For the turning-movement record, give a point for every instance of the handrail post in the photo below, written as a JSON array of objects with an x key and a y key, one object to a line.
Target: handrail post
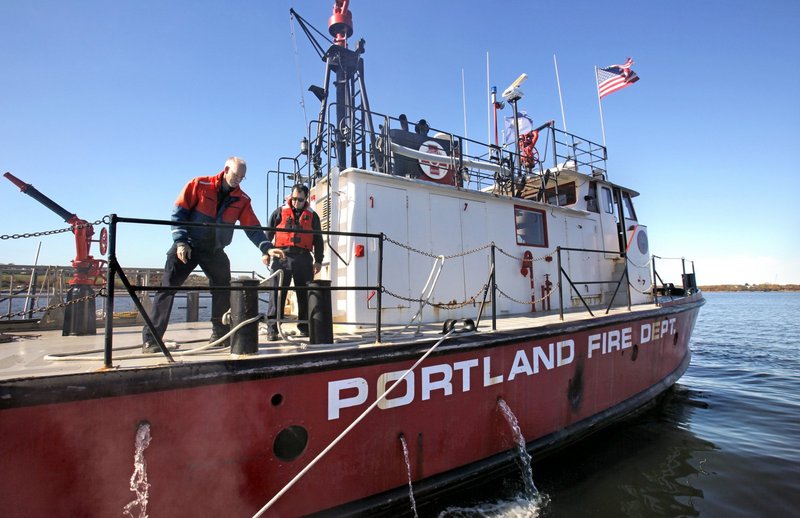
[
  {"x": 560, "y": 285},
  {"x": 380, "y": 289},
  {"x": 628, "y": 283},
  {"x": 494, "y": 291},
  {"x": 112, "y": 269},
  {"x": 654, "y": 279}
]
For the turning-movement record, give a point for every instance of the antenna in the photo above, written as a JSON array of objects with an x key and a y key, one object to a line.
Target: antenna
[
  {"x": 488, "y": 103},
  {"x": 560, "y": 99},
  {"x": 464, "y": 103},
  {"x": 513, "y": 93}
]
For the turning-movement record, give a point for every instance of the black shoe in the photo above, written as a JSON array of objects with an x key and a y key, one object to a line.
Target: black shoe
[
  {"x": 149, "y": 347},
  {"x": 303, "y": 333},
  {"x": 272, "y": 334},
  {"x": 217, "y": 332}
]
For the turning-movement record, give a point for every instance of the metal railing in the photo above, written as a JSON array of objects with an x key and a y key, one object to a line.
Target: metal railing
[
  {"x": 668, "y": 289},
  {"x": 477, "y": 165},
  {"x": 115, "y": 270},
  {"x": 563, "y": 273}
]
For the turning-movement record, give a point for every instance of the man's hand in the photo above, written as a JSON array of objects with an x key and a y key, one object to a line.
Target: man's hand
[
  {"x": 184, "y": 252},
  {"x": 272, "y": 252},
  {"x": 317, "y": 268}
]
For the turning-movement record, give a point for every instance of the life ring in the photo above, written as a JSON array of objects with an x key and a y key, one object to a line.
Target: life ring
[{"x": 436, "y": 171}]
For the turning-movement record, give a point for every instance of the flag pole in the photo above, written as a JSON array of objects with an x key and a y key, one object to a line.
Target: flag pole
[
  {"x": 600, "y": 103},
  {"x": 560, "y": 99}
]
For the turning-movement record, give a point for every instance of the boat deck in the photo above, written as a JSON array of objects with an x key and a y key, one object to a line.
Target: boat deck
[{"x": 48, "y": 353}]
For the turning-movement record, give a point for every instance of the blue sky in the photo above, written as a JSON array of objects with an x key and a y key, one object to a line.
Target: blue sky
[{"x": 111, "y": 106}]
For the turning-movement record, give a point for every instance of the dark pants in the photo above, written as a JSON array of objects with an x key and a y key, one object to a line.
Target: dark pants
[
  {"x": 300, "y": 267},
  {"x": 217, "y": 267}
]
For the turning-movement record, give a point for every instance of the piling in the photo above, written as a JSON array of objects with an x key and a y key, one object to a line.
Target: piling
[{"x": 192, "y": 306}]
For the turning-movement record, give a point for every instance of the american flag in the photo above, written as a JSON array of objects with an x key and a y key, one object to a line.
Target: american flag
[{"x": 615, "y": 77}]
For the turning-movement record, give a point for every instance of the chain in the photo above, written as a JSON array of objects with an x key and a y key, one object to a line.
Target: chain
[
  {"x": 435, "y": 256},
  {"x": 444, "y": 305},
  {"x": 547, "y": 254},
  {"x": 647, "y": 265},
  {"x": 509, "y": 297},
  {"x": 100, "y": 293},
  {"x": 638, "y": 290},
  {"x": 544, "y": 257},
  {"x": 104, "y": 221}
]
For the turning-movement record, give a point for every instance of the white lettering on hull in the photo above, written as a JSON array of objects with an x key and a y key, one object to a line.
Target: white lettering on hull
[{"x": 445, "y": 379}]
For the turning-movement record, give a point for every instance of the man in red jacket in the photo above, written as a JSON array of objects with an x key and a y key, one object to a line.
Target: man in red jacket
[{"x": 207, "y": 199}]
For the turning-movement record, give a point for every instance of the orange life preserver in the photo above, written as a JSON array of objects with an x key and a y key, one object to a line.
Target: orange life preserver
[
  {"x": 304, "y": 222},
  {"x": 527, "y": 144}
]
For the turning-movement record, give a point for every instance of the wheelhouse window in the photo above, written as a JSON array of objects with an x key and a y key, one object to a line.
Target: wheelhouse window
[
  {"x": 608, "y": 201},
  {"x": 561, "y": 195},
  {"x": 531, "y": 225},
  {"x": 591, "y": 198},
  {"x": 627, "y": 206}
]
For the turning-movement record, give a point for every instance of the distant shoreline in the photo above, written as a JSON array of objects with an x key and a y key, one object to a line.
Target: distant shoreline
[{"x": 752, "y": 287}]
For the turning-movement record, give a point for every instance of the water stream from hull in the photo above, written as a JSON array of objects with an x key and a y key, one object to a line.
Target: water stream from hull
[
  {"x": 524, "y": 457},
  {"x": 139, "y": 484},
  {"x": 527, "y": 504},
  {"x": 408, "y": 471}
]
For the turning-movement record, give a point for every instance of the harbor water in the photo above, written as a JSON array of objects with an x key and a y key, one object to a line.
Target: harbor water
[{"x": 722, "y": 443}]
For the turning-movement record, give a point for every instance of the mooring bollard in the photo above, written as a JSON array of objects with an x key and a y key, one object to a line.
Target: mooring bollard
[
  {"x": 244, "y": 306},
  {"x": 320, "y": 319}
]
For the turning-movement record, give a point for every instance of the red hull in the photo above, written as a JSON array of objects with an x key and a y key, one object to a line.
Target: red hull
[{"x": 67, "y": 445}]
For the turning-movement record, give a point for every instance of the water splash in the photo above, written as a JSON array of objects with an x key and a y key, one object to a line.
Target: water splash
[
  {"x": 518, "y": 507},
  {"x": 408, "y": 470},
  {"x": 524, "y": 457},
  {"x": 139, "y": 484}
]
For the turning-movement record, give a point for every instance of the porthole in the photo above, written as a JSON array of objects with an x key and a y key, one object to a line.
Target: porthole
[{"x": 290, "y": 443}]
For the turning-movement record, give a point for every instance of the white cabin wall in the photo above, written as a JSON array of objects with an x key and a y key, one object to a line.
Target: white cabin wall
[
  {"x": 344, "y": 212},
  {"x": 475, "y": 232},
  {"x": 441, "y": 220},
  {"x": 386, "y": 210}
]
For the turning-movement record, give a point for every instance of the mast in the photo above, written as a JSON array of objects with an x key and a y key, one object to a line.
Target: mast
[{"x": 352, "y": 105}]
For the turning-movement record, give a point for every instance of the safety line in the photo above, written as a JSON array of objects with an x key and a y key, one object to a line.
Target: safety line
[{"x": 348, "y": 429}]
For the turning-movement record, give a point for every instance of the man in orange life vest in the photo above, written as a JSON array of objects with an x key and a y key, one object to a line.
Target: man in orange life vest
[
  {"x": 297, "y": 247},
  {"x": 207, "y": 199}
]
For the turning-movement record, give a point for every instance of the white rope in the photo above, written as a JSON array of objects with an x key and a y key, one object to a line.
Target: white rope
[
  {"x": 297, "y": 66},
  {"x": 348, "y": 429},
  {"x": 80, "y": 357},
  {"x": 429, "y": 287},
  {"x": 225, "y": 318}
]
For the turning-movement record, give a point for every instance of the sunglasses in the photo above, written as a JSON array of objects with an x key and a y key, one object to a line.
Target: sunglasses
[{"x": 301, "y": 200}]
